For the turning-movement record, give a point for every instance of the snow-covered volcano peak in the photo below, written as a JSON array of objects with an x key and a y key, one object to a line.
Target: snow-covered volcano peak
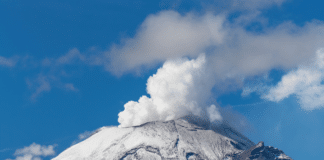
[{"x": 181, "y": 139}]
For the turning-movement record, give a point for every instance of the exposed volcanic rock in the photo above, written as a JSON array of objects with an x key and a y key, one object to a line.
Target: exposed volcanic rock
[{"x": 261, "y": 152}]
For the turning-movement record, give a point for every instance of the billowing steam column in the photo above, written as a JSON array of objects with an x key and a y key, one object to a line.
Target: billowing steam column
[{"x": 180, "y": 87}]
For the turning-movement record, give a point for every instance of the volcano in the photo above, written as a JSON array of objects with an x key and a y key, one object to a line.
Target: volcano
[{"x": 187, "y": 138}]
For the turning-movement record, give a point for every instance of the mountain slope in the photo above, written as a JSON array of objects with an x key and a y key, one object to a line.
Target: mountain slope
[{"x": 175, "y": 139}]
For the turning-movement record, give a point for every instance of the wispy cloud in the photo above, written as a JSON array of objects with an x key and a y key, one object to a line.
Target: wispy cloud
[
  {"x": 305, "y": 83},
  {"x": 72, "y": 56},
  {"x": 52, "y": 73},
  {"x": 5, "y": 150},
  {"x": 70, "y": 87},
  {"x": 233, "y": 51},
  {"x": 83, "y": 136},
  {"x": 240, "y": 5},
  {"x": 39, "y": 85},
  {"x": 258, "y": 85},
  {"x": 164, "y": 36},
  {"x": 8, "y": 62},
  {"x": 34, "y": 152}
]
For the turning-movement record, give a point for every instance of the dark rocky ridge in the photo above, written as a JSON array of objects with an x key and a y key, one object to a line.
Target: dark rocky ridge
[{"x": 261, "y": 152}]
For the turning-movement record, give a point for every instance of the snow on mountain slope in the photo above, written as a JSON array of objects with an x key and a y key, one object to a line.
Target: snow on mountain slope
[
  {"x": 261, "y": 152},
  {"x": 94, "y": 144},
  {"x": 174, "y": 139}
]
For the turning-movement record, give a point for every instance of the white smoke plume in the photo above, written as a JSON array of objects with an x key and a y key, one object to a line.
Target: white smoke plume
[{"x": 179, "y": 88}]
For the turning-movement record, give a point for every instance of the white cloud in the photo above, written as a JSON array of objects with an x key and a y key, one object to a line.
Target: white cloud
[
  {"x": 258, "y": 85},
  {"x": 254, "y": 4},
  {"x": 4, "y": 150},
  {"x": 39, "y": 85},
  {"x": 53, "y": 71},
  {"x": 305, "y": 83},
  {"x": 70, "y": 87},
  {"x": 45, "y": 82},
  {"x": 70, "y": 57},
  {"x": 247, "y": 54},
  {"x": 83, "y": 136},
  {"x": 179, "y": 88},
  {"x": 232, "y": 51},
  {"x": 34, "y": 152},
  {"x": 165, "y": 36},
  {"x": 240, "y": 5},
  {"x": 8, "y": 62}
]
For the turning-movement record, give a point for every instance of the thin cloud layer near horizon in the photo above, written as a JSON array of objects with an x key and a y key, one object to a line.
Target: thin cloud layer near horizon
[{"x": 69, "y": 68}]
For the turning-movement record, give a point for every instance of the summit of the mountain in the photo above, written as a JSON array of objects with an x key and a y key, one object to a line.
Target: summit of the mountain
[{"x": 181, "y": 139}]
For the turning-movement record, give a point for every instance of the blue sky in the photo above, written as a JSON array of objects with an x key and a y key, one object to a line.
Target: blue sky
[{"x": 69, "y": 67}]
